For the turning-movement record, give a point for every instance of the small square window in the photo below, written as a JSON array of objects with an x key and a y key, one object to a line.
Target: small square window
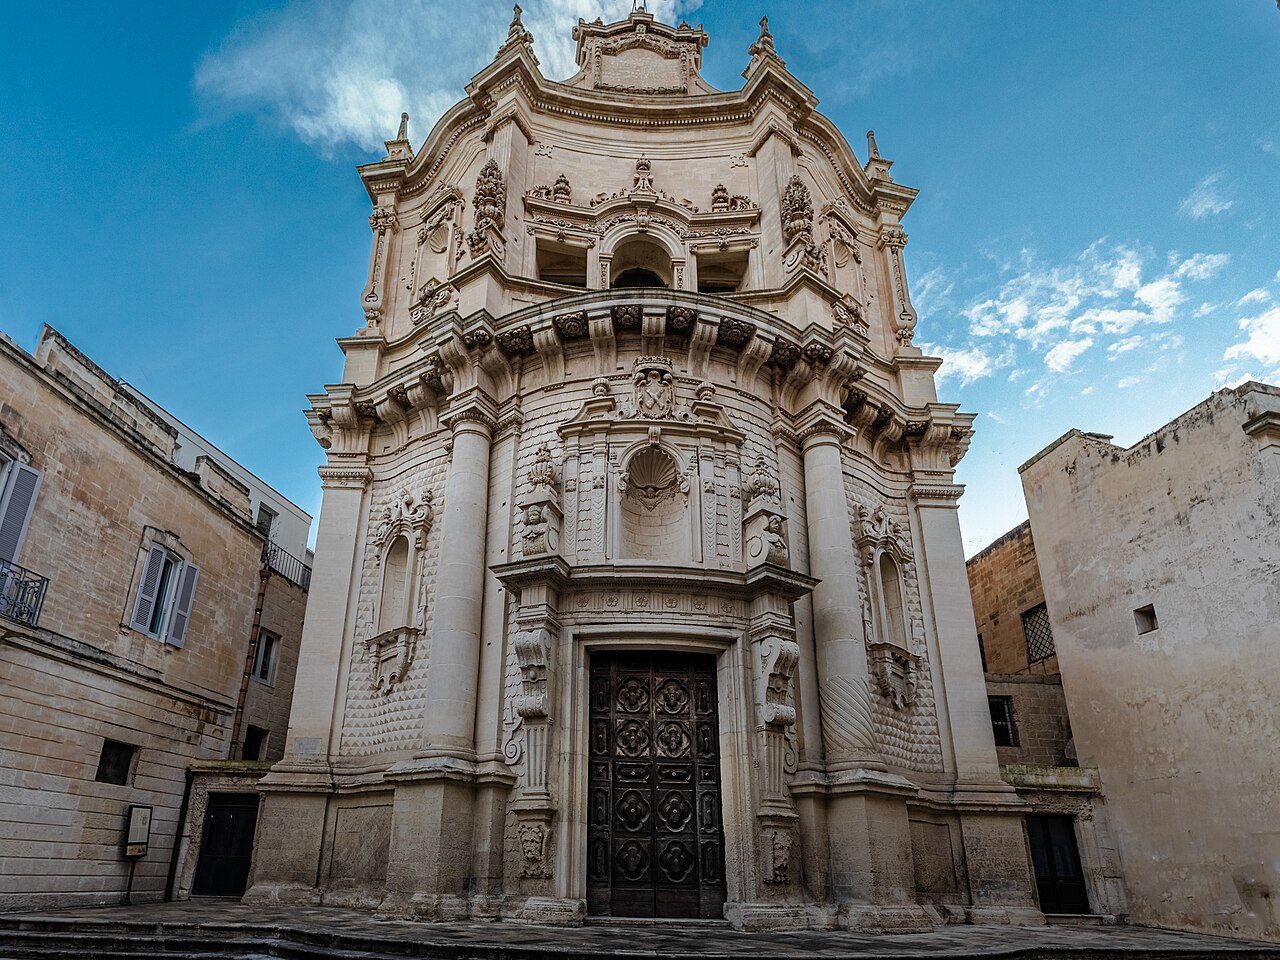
[
  {"x": 264, "y": 661},
  {"x": 1039, "y": 634},
  {"x": 255, "y": 741},
  {"x": 1002, "y": 726},
  {"x": 115, "y": 762},
  {"x": 1145, "y": 618}
]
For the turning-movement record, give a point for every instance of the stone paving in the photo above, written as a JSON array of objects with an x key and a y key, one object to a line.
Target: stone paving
[{"x": 351, "y": 933}]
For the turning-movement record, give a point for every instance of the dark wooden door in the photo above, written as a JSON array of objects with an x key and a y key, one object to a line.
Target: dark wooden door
[
  {"x": 655, "y": 844},
  {"x": 1059, "y": 879},
  {"x": 226, "y": 846}
]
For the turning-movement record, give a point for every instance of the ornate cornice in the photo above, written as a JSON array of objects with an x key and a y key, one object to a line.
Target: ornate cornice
[{"x": 344, "y": 477}]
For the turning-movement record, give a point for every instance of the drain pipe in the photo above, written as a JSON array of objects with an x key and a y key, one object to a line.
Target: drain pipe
[{"x": 263, "y": 576}]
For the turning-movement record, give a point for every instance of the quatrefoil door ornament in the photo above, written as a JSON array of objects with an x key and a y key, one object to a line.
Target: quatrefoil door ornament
[
  {"x": 675, "y": 811},
  {"x": 632, "y": 860},
  {"x": 672, "y": 697},
  {"x": 633, "y": 810},
  {"x": 633, "y": 738},
  {"x": 673, "y": 739},
  {"x": 633, "y": 696},
  {"x": 676, "y": 860}
]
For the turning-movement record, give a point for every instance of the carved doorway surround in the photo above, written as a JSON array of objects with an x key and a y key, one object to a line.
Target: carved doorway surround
[{"x": 655, "y": 837}]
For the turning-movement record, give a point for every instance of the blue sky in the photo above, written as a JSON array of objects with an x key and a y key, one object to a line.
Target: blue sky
[{"x": 1095, "y": 244}]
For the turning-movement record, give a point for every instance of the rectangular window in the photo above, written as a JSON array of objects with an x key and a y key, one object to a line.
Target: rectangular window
[
  {"x": 255, "y": 742},
  {"x": 19, "y": 485},
  {"x": 115, "y": 763},
  {"x": 1002, "y": 721},
  {"x": 266, "y": 518},
  {"x": 166, "y": 593},
  {"x": 1039, "y": 634},
  {"x": 1145, "y": 618},
  {"x": 264, "y": 660}
]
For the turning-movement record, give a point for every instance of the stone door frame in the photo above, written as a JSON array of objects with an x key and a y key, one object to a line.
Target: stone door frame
[{"x": 734, "y": 702}]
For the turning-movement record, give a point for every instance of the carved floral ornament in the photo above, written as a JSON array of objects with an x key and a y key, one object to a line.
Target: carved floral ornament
[
  {"x": 490, "y": 204},
  {"x": 409, "y": 513}
]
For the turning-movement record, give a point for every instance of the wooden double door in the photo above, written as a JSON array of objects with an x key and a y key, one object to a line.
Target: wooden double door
[
  {"x": 655, "y": 840},
  {"x": 226, "y": 845}
]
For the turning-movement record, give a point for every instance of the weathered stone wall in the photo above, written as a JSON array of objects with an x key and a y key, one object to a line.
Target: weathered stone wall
[
  {"x": 82, "y": 674},
  {"x": 267, "y": 705},
  {"x": 1005, "y": 582},
  {"x": 1039, "y": 717},
  {"x": 1178, "y": 720}
]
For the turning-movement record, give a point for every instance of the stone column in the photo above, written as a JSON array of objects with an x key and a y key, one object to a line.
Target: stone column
[
  {"x": 843, "y": 681},
  {"x": 449, "y": 718},
  {"x": 434, "y": 812}
]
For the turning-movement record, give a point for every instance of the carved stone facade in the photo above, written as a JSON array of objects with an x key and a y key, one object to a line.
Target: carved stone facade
[{"x": 644, "y": 477}]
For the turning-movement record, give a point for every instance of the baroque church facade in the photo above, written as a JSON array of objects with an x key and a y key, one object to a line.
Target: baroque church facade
[{"x": 639, "y": 588}]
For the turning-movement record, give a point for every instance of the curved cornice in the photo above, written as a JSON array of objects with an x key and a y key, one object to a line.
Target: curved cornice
[{"x": 515, "y": 80}]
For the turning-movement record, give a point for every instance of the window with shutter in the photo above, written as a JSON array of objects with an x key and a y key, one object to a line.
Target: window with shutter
[
  {"x": 186, "y": 594},
  {"x": 16, "y": 503},
  {"x": 148, "y": 610}
]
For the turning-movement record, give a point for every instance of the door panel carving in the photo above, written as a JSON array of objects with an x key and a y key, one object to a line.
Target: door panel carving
[{"x": 655, "y": 846}]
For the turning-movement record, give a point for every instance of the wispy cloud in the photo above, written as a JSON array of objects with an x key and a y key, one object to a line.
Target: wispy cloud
[
  {"x": 968, "y": 364},
  {"x": 1258, "y": 295},
  {"x": 1063, "y": 355},
  {"x": 1209, "y": 197},
  {"x": 339, "y": 73},
  {"x": 1262, "y": 339},
  {"x": 1202, "y": 266}
]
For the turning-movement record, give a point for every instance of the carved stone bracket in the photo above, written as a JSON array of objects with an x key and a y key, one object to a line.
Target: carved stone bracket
[
  {"x": 540, "y": 506},
  {"x": 390, "y": 654},
  {"x": 895, "y": 672}
]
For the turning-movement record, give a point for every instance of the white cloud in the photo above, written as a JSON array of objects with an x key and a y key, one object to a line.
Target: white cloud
[
  {"x": 1202, "y": 266},
  {"x": 1208, "y": 197},
  {"x": 340, "y": 73},
  {"x": 1126, "y": 382},
  {"x": 1162, "y": 296},
  {"x": 1124, "y": 346},
  {"x": 968, "y": 365},
  {"x": 1258, "y": 295},
  {"x": 1262, "y": 340},
  {"x": 1063, "y": 355}
]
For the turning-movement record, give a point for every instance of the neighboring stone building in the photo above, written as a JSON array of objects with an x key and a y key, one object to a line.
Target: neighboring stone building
[
  {"x": 639, "y": 585},
  {"x": 1076, "y": 864},
  {"x": 1161, "y": 570},
  {"x": 139, "y": 629}
]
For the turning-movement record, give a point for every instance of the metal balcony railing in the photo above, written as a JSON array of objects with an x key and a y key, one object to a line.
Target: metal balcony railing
[
  {"x": 286, "y": 564},
  {"x": 21, "y": 593}
]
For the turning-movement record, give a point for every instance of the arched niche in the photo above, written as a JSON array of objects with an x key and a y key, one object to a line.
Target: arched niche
[
  {"x": 641, "y": 261},
  {"x": 889, "y": 595},
  {"x": 653, "y": 508},
  {"x": 392, "y": 606}
]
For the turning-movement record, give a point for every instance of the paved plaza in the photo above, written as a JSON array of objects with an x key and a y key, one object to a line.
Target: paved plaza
[{"x": 214, "y": 928}]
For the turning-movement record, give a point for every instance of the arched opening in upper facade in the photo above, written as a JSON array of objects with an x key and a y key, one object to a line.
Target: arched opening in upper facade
[
  {"x": 641, "y": 262},
  {"x": 893, "y": 626},
  {"x": 654, "y": 509},
  {"x": 395, "y": 585}
]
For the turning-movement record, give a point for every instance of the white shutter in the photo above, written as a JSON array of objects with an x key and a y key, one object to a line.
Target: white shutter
[
  {"x": 187, "y": 579},
  {"x": 16, "y": 503},
  {"x": 148, "y": 588}
]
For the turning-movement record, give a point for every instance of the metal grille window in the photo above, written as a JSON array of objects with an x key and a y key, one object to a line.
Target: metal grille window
[
  {"x": 1002, "y": 721},
  {"x": 1039, "y": 633}
]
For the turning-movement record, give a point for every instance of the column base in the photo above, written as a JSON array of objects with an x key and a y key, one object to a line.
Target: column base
[
  {"x": 274, "y": 893},
  {"x": 434, "y": 907},
  {"x": 548, "y": 911},
  {"x": 902, "y": 918},
  {"x": 761, "y": 917}
]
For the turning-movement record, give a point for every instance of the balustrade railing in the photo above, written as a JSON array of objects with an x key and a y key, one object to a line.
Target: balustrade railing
[
  {"x": 21, "y": 593},
  {"x": 286, "y": 564}
]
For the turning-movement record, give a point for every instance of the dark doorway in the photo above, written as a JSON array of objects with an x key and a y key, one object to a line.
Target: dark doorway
[
  {"x": 226, "y": 845},
  {"x": 1059, "y": 879},
  {"x": 655, "y": 844},
  {"x": 637, "y": 277}
]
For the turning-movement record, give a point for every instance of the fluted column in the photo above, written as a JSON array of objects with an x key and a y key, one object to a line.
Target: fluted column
[
  {"x": 843, "y": 681},
  {"x": 449, "y": 717}
]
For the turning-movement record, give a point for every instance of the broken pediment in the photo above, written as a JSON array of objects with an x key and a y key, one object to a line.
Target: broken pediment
[{"x": 640, "y": 56}]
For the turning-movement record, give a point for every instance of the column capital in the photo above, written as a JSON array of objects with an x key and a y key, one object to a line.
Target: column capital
[
  {"x": 472, "y": 411},
  {"x": 342, "y": 477},
  {"x": 822, "y": 422},
  {"x": 933, "y": 494}
]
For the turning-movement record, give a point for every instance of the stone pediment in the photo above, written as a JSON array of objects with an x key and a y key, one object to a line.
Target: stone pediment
[{"x": 640, "y": 56}]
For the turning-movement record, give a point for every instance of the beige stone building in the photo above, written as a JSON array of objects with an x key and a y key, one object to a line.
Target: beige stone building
[
  {"x": 1161, "y": 571},
  {"x": 139, "y": 628},
  {"x": 1073, "y": 850},
  {"x": 639, "y": 588}
]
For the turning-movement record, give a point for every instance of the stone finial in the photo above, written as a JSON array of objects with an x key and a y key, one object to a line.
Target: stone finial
[
  {"x": 403, "y": 132},
  {"x": 517, "y": 26},
  {"x": 763, "y": 47},
  {"x": 873, "y": 152},
  {"x": 517, "y": 35},
  {"x": 400, "y": 148}
]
